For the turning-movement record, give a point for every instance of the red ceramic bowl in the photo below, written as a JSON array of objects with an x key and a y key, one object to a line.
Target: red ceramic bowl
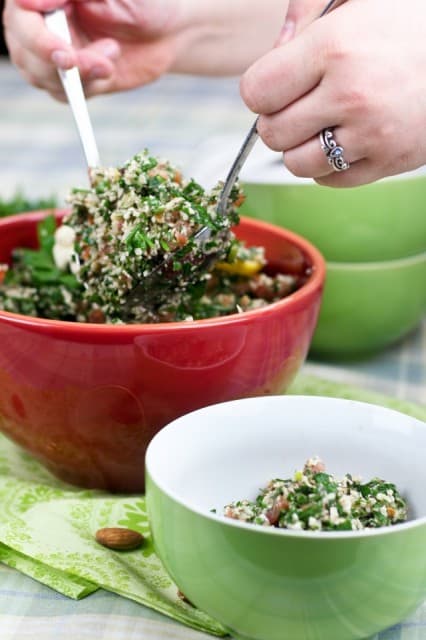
[{"x": 86, "y": 399}]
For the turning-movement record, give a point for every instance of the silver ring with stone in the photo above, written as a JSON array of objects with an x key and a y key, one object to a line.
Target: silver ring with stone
[{"x": 333, "y": 151}]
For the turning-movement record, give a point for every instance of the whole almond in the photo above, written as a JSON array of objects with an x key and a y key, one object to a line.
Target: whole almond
[{"x": 119, "y": 538}]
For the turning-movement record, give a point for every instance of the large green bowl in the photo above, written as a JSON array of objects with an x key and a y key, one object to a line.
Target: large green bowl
[
  {"x": 264, "y": 583},
  {"x": 380, "y": 221},
  {"x": 368, "y": 306}
]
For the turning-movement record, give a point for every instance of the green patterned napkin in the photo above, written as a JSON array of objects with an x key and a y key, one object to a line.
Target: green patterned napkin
[
  {"x": 47, "y": 531},
  {"x": 47, "y": 528}
]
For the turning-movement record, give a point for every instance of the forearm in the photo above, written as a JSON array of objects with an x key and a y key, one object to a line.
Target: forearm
[
  {"x": 122, "y": 44},
  {"x": 224, "y": 37}
]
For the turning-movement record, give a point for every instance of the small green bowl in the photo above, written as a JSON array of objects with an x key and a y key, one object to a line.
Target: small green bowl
[
  {"x": 264, "y": 583},
  {"x": 368, "y": 306},
  {"x": 381, "y": 221}
]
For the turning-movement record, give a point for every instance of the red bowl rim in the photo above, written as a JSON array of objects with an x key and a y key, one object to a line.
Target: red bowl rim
[{"x": 315, "y": 281}]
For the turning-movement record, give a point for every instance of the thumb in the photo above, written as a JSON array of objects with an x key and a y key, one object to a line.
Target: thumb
[{"x": 300, "y": 14}]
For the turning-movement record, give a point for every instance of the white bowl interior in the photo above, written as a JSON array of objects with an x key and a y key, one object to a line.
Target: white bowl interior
[{"x": 228, "y": 451}]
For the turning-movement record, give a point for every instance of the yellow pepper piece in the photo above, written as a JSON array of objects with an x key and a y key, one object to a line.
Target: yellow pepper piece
[{"x": 240, "y": 267}]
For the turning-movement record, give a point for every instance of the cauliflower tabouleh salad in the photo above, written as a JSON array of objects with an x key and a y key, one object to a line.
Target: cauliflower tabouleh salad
[
  {"x": 317, "y": 501},
  {"x": 117, "y": 231}
]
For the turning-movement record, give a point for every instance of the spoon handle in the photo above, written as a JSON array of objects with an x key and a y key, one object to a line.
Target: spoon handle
[
  {"x": 56, "y": 22},
  {"x": 236, "y": 167}
]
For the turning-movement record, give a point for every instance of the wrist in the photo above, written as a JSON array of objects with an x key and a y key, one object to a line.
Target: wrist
[{"x": 224, "y": 38}]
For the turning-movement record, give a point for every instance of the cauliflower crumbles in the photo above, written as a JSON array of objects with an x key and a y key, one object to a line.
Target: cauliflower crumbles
[{"x": 317, "y": 501}]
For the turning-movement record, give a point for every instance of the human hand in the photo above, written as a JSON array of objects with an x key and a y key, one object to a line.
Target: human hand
[
  {"x": 357, "y": 70},
  {"x": 116, "y": 45},
  {"x": 121, "y": 44}
]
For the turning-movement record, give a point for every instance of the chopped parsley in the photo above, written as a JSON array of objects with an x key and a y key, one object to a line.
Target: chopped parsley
[
  {"x": 317, "y": 501},
  {"x": 35, "y": 286}
]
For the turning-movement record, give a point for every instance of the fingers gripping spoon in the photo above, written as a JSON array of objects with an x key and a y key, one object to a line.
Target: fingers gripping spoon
[{"x": 155, "y": 288}]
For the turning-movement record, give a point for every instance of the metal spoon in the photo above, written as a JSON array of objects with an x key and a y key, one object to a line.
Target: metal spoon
[
  {"x": 161, "y": 281},
  {"x": 56, "y": 22}
]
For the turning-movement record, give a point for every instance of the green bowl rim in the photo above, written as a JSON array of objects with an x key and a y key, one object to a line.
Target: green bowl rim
[
  {"x": 408, "y": 261},
  {"x": 294, "y": 181}
]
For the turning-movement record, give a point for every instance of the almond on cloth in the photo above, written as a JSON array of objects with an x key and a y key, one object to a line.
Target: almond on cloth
[{"x": 119, "y": 538}]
